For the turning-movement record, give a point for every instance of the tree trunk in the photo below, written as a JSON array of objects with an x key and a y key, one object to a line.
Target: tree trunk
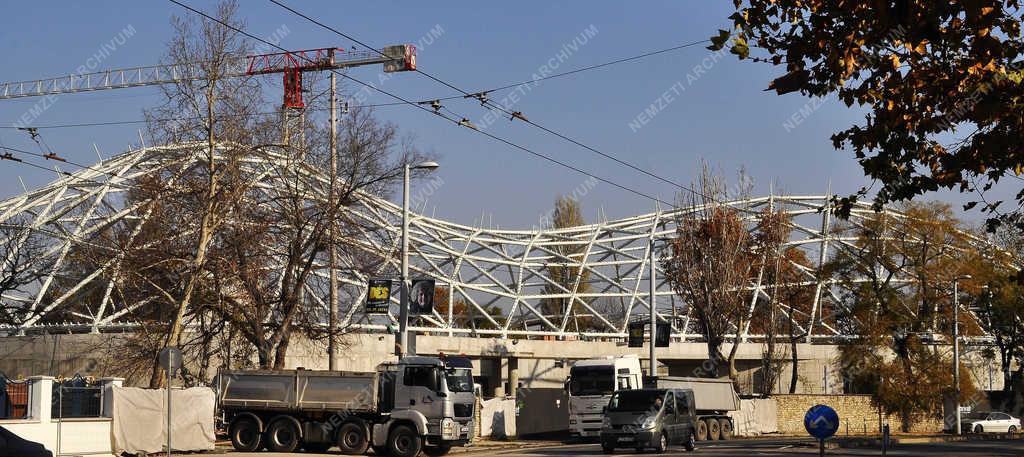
[
  {"x": 734, "y": 375},
  {"x": 794, "y": 360},
  {"x": 282, "y": 351},
  {"x": 714, "y": 357}
]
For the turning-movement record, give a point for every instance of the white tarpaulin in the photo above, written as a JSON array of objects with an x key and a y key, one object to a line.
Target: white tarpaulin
[
  {"x": 755, "y": 417},
  {"x": 140, "y": 420},
  {"x": 498, "y": 418}
]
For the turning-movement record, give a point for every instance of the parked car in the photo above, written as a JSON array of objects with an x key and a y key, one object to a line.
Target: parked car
[
  {"x": 12, "y": 445},
  {"x": 989, "y": 422}
]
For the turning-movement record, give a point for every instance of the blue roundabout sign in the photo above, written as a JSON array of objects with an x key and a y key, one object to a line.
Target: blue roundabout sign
[{"x": 821, "y": 421}]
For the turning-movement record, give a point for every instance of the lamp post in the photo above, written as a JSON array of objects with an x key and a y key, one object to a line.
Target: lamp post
[
  {"x": 956, "y": 347},
  {"x": 403, "y": 319}
]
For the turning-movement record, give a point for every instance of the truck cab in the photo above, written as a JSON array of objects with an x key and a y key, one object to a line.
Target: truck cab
[
  {"x": 434, "y": 396},
  {"x": 591, "y": 384}
]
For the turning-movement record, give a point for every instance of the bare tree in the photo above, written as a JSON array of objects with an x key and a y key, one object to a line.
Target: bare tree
[
  {"x": 710, "y": 267},
  {"x": 773, "y": 231},
  {"x": 22, "y": 248},
  {"x": 210, "y": 108},
  {"x": 264, "y": 263}
]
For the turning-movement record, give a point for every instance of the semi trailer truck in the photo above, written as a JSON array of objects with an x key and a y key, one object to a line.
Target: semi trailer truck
[{"x": 417, "y": 404}]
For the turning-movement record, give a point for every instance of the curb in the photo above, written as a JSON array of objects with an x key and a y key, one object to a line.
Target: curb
[{"x": 895, "y": 441}]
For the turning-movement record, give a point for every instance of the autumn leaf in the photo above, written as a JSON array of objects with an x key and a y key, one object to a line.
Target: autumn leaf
[
  {"x": 739, "y": 47},
  {"x": 790, "y": 82},
  {"x": 718, "y": 41}
]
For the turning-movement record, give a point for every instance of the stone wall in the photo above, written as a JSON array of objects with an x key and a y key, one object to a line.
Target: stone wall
[{"x": 856, "y": 415}]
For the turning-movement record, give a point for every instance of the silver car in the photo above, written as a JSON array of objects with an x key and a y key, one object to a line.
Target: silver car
[{"x": 989, "y": 422}]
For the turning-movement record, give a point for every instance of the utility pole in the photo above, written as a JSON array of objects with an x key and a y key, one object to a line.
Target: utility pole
[
  {"x": 403, "y": 300},
  {"x": 332, "y": 252},
  {"x": 652, "y": 300}
]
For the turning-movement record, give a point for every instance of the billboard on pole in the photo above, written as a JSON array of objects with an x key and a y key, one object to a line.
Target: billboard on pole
[
  {"x": 636, "y": 334},
  {"x": 378, "y": 296},
  {"x": 421, "y": 297}
]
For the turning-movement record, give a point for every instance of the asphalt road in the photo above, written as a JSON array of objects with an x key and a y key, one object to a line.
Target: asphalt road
[
  {"x": 745, "y": 448},
  {"x": 792, "y": 447}
]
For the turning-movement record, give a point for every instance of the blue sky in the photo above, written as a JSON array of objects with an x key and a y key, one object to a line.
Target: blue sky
[{"x": 719, "y": 113}]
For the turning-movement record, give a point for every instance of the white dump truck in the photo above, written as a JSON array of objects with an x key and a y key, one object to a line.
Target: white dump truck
[
  {"x": 419, "y": 404},
  {"x": 713, "y": 399},
  {"x": 591, "y": 384}
]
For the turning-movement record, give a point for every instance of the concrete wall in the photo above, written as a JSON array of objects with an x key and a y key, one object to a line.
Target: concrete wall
[
  {"x": 535, "y": 363},
  {"x": 856, "y": 415},
  {"x": 62, "y": 437}
]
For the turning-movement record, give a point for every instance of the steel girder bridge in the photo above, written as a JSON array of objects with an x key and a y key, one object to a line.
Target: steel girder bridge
[{"x": 499, "y": 277}]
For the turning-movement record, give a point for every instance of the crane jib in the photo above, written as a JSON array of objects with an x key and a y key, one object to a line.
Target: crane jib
[{"x": 395, "y": 58}]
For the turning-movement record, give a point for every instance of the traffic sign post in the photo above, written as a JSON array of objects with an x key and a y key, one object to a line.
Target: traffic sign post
[
  {"x": 821, "y": 422},
  {"x": 170, "y": 360}
]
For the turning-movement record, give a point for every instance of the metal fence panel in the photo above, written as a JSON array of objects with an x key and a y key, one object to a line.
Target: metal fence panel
[
  {"x": 75, "y": 398},
  {"x": 13, "y": 398}
]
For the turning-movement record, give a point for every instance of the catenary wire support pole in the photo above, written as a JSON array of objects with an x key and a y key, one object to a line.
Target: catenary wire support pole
[
  {"x": 652, "y": 300},
  {"x": 956, "y": 347},
  {"x": 332, "y": 251}
]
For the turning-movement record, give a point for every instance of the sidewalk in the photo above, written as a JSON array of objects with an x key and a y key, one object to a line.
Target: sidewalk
[{"x": 483, "y": 445}]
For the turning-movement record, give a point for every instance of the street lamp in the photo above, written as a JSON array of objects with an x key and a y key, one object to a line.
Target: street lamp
[
  {"x": 956, "y": 347},
  {"x": 403, "y": 319}
]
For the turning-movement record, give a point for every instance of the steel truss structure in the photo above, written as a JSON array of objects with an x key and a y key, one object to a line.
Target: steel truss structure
[{"x": 499, "y": 278}]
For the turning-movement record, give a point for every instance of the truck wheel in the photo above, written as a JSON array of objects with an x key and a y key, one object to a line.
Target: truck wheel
[
  {"x": 245, "y": 435},
  {"x": 282, "y": 436},
  {"x": 713, "y": 431},
  {"x": 352, "y": 439},
  {"x": 691, "y": 442},
  {"x": 702, "y": 430},
  {"x": 405, "y": 442},
  {"x": 437, "y": 451},
  {"x": 725, "y": 429}
]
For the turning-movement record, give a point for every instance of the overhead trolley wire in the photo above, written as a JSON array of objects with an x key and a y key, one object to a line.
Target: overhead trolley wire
[
  {"x": 462, "y": 122},
  {"x": 516, "y": 114}
]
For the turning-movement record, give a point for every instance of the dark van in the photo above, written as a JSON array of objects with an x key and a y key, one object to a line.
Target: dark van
[{"x": 649, "y": 418}]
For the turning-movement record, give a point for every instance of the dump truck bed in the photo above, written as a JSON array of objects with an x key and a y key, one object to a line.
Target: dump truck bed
[
  {"x": 708, "y": 394},
  {"x": 299, "y": 390}
]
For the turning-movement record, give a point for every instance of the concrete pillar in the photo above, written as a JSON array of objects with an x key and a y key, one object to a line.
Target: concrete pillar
[
  {"x": 513, "y": 376},
  {"x": 40, "y": 398},
  {"x": 108, "y": 385}
]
